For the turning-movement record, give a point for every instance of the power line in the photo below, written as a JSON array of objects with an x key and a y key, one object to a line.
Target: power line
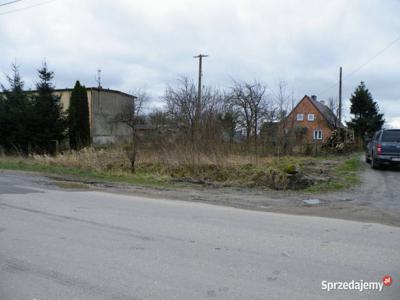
[
  {"x": 26, "y": 7},
  {"x": 375, "y": 56},
  {"x": 11, "y": 2},
  {"x": 365, "y": 63}
]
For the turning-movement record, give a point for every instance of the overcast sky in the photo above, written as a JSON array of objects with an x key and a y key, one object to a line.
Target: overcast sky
[{"x": 149, "y": 44}]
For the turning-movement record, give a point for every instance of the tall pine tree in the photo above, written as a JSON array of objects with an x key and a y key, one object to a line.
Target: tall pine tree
[
  {"x": 367, "y": 118},
  {"x": 16, "y": 113},
  {"x": 78, "y": 118},
  {"x": 50, "y": 121}
]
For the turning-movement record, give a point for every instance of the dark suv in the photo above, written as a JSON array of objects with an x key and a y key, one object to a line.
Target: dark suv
[{"x": 384, "y": 148}]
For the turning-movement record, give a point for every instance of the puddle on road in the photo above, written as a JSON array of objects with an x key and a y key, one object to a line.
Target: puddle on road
[{"x": 312, "y": 201}]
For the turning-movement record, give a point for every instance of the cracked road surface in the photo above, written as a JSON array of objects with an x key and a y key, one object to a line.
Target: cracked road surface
[{"x": 78, "y": 244}]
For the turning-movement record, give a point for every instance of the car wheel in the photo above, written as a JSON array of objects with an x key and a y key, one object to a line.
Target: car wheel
[{"x": 374, "y": 164}]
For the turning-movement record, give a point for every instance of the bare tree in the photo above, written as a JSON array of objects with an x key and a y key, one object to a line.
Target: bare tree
[
  {"x": 211, "y": 130},
  {"x": 250, "y": 101},
  {"x": 228, "y": 119},
  {"x": 158, "y": 117},
  {"x": 182, "y": 107},
  {"x": 334, "y": 107},
  {"x": 132, "y": 116},
  {"x": 283, "y": 106},
  {"x": 181, "y": 104}
]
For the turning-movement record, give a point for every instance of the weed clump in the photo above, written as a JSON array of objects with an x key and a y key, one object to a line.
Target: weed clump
[{"x": 290, "y": 169}]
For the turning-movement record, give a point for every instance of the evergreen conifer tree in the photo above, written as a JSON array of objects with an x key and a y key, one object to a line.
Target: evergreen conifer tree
[
  {"x": 78, "y": 119},
  {"x": 15, "y": 115},
  {"x": 367, "y": 118},
  {"x": 49, "y": 119}
]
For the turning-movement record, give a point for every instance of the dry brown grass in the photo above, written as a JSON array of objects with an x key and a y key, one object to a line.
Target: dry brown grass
[
  {"x": 219, "y": 168},
  {"x": 114, "y": 159},
  {"x": 182, "y": 165},
  {"x": 178, "y": 165}
]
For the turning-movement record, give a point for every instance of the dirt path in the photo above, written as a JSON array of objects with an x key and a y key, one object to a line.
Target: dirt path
[{"x": 378, "y": 195}]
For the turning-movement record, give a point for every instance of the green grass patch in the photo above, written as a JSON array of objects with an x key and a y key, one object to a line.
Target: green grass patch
[
  {"x": 349, "y": 165},
  {"x": 344, "y": 175}
]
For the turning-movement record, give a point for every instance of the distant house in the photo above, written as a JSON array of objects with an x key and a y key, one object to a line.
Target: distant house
[
  {"x": 104, "y": 107},
  {"x": 312, "y": 121}
]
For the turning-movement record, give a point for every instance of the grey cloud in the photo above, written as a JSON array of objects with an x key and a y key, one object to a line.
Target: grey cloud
[{"x": 149, "y": 44}]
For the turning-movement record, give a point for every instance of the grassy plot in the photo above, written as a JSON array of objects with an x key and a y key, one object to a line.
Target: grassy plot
[
  {"x": 311, "y": 174},
  {"x": 342, "y": 176}
]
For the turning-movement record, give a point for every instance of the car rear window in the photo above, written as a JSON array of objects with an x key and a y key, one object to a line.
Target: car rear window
[{"x": 391, "y": 136}]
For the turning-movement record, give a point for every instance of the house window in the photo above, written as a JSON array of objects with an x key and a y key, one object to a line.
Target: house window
[
  {"x": 317, "y": 135},
  {"x": 310, "y": 117},
  {"x": 300, "y": 117}
]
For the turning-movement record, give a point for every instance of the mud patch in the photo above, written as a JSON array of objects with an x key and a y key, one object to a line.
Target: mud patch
[{"x": 72, "y": 185}]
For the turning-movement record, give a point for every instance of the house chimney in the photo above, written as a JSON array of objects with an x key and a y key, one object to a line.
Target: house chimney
[{"x": 314, "y": 97}]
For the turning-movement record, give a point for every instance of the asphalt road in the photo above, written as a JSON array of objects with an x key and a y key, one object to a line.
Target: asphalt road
[{"x": 68, "y": 244}]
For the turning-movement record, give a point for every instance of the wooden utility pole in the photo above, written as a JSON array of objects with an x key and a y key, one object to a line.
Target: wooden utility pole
[
  {"x": 340, "y": 96},
  {"x": 200, "y": 57},
  {"x": 198, "y": 104}
]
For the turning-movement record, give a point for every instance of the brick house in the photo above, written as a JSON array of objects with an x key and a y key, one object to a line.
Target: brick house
[{"x": 311, "y": 121}]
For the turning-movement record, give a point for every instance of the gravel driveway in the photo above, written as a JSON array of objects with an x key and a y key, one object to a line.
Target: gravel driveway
[{"x": 379, "y": 193}]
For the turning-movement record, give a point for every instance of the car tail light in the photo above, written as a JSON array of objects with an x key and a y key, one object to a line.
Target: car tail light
[{"x": 379, "y": 149}]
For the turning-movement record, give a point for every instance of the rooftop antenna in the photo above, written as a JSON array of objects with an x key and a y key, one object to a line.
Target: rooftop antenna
[{"x": 98, "y": 79}]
